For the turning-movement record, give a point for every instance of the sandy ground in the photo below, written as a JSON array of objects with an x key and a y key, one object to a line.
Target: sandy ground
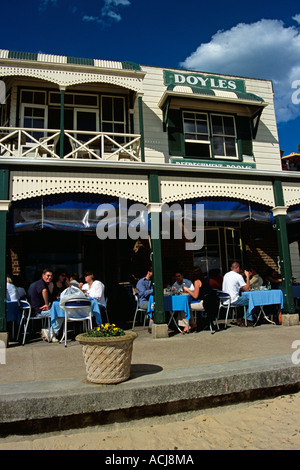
[{"x": 270, "y": 424}]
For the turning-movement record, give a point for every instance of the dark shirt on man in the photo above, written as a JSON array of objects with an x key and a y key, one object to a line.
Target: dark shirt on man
[{"x": 36, "y": 297}]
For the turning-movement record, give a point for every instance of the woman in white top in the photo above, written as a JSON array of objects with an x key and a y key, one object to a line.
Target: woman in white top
[
  {"x": 11, "y": 291},
  {"x": 93, "y": 288}
]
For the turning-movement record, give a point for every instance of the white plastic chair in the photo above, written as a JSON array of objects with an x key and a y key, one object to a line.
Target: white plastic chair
[
  {"x": 142, "y": 311},
  {"x": 224, "y": 304},
  {"x": 48, "y": 147},
  {"x": 77, "y": 310},
  {"x": 26, "y": 317}
]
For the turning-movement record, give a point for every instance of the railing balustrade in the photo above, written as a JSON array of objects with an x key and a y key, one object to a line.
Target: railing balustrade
[{"x": 20, "y": 142}]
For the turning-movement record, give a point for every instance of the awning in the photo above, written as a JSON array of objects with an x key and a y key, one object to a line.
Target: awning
[
  {"x": 229, "y": 210},
  {"x": 78, "y": 212},
  {"x": 237, "y": 97},
  {"x": 292, "y": 158},
  {"x": 65, "y": 212}
]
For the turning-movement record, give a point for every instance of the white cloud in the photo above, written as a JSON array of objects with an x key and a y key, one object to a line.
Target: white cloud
[
  {"x": 297, "y": 18},
  {"x": 265, "y": 49},
  {"x": 110, "y": 9},
  {"x": 109, "y": 12},
  {"x": 91, "y": 18},
  {"x": 44, "y": 3}
]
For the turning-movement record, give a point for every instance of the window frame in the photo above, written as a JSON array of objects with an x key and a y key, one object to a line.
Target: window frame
[
  {"x": 209, "y": 142},
  {"x": 114, "y": 122},
  {"x": 43, "y": 129},
  {"x": 224, "y": 157}
]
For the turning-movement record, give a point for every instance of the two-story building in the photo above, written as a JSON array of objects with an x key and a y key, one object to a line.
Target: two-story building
[{"x": 78, "y": 133}]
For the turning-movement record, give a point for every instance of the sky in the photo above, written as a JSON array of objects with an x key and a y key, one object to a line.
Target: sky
[{"x": 259, "y": 39}]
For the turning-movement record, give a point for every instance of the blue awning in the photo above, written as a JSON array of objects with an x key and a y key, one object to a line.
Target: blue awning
[{"x": 78, "y": 212}]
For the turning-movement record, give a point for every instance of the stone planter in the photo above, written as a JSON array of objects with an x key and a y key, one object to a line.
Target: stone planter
[{"x": 107, "y": 359}]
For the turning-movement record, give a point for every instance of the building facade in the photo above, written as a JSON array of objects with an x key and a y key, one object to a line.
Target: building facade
[{"x": 78, "y": 133}]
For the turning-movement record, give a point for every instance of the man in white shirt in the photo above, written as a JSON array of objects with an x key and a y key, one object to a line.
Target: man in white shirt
[
  {"x": 94, "y": 289},
  {"x": 233, "y": 284}
]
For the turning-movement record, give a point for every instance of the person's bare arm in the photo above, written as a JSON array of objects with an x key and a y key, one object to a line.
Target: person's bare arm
[{"x": 247, "y": 286}]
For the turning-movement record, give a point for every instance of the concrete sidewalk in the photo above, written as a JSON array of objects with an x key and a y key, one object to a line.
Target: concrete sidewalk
[{"x": 44, "y": 385}]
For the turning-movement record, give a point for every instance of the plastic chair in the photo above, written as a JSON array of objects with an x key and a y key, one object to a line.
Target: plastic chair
[
  {"x": 26, "y": 317},
  {"x": 77, "y": 310},
  {"x": 224, "y": 303},
  {"x": 142, "y": 311}
]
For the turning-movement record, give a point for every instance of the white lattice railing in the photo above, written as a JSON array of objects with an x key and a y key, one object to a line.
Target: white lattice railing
[{"x": 20, "y": 142}]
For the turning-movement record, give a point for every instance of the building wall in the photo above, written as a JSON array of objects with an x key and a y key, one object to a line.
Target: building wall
[{"x": 265, "y": 146}]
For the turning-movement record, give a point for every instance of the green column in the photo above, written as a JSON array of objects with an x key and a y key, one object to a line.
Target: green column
[
  {"x": 283, "y": 246},
  {"x": 140, "y": 100},
  {"x": 154, "y": 197},
  {"x": 4, "y": 185},
  {"x": 62, "y": 121}
]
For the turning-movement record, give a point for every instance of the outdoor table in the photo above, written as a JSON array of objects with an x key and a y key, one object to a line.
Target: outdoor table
[
  {"x": 57, "y": 311},
  {"x": 259, "y": 298},
  {"x": 172, "y": 304}
]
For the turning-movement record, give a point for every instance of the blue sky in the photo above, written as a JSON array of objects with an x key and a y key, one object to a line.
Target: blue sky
[{"x": 258, "y": 39}]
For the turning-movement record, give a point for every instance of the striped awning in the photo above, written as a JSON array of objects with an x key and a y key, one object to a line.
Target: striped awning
[{"x": 237, "y": 97}]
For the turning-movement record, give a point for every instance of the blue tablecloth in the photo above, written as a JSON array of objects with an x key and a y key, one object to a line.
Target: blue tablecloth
[
  {"x": 263, "y": 297},
  {"x": 172, "y": 303},
  {"x": 13, "y": 312},
  {"x": 56, "y": 311}
]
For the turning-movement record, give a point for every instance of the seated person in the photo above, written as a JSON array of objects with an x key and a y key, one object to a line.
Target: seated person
[
  {"x": 21, "y": 285},
  {"x": 93, "y": 288},
  {"x": 200, "y": 289},
  {"x": 255, "y": 279},
  {"x": 233, "y": 284},
  {"x": 60, "y": 283},
  {"x": 11, "y": 291},
  {"x": 180, "y": 283},
  {"x": 273, "y": 278},
  {"x": 144, "y": 289},
  {"x": 41, "y": 294},
  {"x": 215, "y": 279},
  {"x": 74, "y": 279}
]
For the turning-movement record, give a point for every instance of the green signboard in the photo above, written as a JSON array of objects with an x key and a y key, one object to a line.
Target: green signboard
[
  {"x": 203, "y": 81},
  {"x": 213, "y": 163}
]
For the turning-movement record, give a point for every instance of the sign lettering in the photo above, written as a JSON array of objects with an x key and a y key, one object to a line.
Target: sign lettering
[{"x": 203, "y": 81}]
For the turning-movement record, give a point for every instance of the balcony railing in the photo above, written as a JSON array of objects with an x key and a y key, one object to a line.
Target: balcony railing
[{"x": 21, "y": 142}]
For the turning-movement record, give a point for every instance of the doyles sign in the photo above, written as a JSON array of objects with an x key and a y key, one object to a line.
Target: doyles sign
[{"x": 203, "y": 81}]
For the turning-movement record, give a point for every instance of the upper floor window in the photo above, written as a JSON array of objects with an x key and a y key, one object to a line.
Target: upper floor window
[
  {"x": 196, "y": 134},
  {"x": 113, "y": 115},
  {"x": 206, "y": 136},
  {"x": 223, "y": 136},
  {"x": 74, "y": 99},
  {"x": 33, "y": 97}
]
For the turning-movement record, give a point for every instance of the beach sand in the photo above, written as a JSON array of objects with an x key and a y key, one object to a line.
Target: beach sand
[{"x": 270, "y": 424}]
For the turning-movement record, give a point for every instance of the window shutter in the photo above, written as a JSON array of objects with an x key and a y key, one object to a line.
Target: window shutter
[
  {"x": 175, "y": 132},
  {"x": 244, "y": 135}
]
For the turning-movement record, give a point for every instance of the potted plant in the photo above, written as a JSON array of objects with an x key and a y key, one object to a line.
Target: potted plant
[{"x": 107, "y": 352}]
